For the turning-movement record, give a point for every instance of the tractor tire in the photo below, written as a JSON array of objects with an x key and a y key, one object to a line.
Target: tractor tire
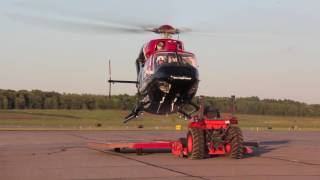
[
  {"x": 196, "y": 143},
  {"x": 235, "y": 139}
]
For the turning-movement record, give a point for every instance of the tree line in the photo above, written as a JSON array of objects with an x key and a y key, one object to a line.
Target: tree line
[
  {"x": 36, "y": 99},
  {"x": 254, "y": 105}
]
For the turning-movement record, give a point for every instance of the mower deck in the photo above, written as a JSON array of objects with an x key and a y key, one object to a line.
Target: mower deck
[{"x": 137, "y": 146}]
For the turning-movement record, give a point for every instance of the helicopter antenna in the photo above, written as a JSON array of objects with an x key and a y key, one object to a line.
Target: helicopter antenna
[
  {"x": 233, "y": 104},
  {"x": 109, "y": 79}
]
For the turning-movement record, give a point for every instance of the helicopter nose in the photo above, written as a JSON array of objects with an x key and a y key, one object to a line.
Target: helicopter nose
[{"x": 173, "y": 73}]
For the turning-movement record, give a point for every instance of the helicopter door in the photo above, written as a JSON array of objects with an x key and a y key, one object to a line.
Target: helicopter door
[{"x": 147, "y": 70}]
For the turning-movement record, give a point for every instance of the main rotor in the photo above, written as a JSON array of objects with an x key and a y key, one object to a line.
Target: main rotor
[{"x": 166, "y": 30}]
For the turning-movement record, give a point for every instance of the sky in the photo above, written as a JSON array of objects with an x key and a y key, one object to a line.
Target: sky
[{"x": 264, "y": 48}]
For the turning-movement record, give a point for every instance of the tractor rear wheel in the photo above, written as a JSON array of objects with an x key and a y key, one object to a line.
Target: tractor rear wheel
[
  {"x": 196, "y": 143},
  {"x": 234, "y": 139}
]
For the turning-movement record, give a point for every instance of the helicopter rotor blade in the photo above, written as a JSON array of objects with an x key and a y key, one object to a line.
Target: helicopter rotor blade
[
  {"x": 33, "y": 12},
  {"x": 106, "y": 28},
  {"x": 184, "y": 30},
  {"x": 91, "y": 24},
  {"x": 77, "y": 26},
  {"x": 100, "y": 23}
]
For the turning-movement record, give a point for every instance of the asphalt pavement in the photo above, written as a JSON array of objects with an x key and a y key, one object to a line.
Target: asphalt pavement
[{"x": 65, "y": 155}]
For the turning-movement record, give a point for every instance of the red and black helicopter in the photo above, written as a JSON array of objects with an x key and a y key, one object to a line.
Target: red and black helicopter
[{"x": 167, "y": 76}]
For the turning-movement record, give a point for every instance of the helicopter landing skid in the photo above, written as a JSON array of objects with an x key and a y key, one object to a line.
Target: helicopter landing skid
[
  {"x": 134, "y": 113},
  {"x": 138, "y": 108},
  {"x": 161, "y": 102}
]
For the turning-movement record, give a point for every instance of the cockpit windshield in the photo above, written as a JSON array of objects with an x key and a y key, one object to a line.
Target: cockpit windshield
[
  {"x": 163, "y": 58},
  {"x": 179, "y": 58}
]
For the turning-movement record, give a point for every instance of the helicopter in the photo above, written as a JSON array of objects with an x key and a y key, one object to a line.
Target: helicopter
[{"x": 167, "y": 76}]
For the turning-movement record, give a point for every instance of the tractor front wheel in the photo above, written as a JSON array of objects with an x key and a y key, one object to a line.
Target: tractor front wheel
[{"x": 196, "y": 143}]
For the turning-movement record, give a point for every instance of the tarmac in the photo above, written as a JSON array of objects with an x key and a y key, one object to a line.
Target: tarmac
[{"x": 65, "y": 155}]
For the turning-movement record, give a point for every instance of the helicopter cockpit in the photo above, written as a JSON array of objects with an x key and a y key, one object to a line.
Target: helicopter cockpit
[{"x": 165, "y": 58}]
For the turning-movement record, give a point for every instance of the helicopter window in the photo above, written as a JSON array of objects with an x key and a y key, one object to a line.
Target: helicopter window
[
  {"x": 161, "y": 60},
  {"x": 148, "y": 68},
  {"x": 160, "y": 46},
  {"x": 181, "y": 58},
  {"x": 172, "y": 59},
  {"x": 189, "y": 59},
  {"x": 180, "y": 46}
]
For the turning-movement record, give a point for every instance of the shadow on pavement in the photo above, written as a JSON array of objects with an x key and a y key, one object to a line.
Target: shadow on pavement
[
  {"x": 145, "y": 151},
  {"x": 266, "y": 147}
]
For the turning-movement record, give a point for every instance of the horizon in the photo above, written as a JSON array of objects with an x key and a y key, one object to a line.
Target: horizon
[
  {"x": 95, "y": 94},
  {"x": 265, "y": 49}
]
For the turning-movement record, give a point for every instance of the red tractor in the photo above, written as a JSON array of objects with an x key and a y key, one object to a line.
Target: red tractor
[{"x": 210, "y": 134}]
